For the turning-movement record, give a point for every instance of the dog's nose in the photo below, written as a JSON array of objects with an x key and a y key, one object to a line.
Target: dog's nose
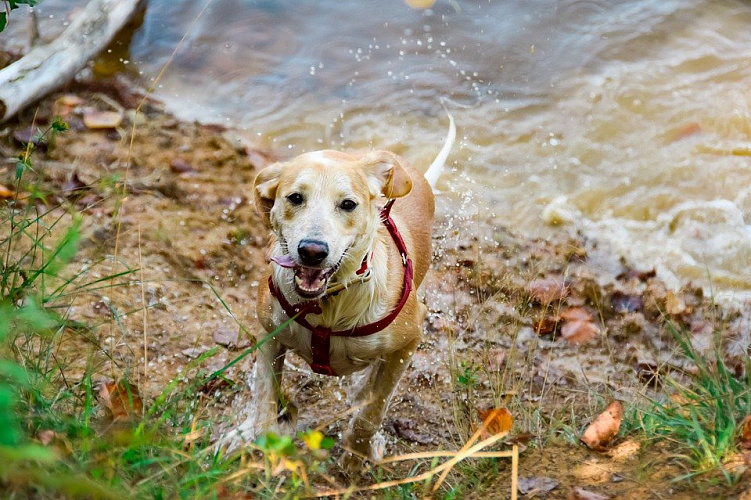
[{"x": 312, "y": 252}]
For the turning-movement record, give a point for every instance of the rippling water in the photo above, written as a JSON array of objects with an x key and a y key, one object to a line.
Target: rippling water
[{"x": 627, "y": 120}]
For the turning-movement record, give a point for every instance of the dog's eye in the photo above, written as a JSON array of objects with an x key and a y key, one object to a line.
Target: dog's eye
[
  {"x": 295, "y": 198},
  {"x": 348, "y": 205}
]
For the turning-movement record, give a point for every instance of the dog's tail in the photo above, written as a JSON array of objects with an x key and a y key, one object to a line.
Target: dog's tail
[{"x": 436, "y": 168}]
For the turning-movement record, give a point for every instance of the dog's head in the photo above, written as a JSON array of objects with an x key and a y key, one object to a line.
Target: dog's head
[{"x": 323, "y": 210}]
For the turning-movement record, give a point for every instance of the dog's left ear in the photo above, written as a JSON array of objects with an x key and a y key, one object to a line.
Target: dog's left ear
[
  {"x": 264, "y": 190},
  {"x": 386, "y": 175}
]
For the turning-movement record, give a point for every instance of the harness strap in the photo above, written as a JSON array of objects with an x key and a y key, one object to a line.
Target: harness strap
[{"x": 320, "y": 336}]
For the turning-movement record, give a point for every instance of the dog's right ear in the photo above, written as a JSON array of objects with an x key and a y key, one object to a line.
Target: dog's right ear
[{"x": 264, "y": 190}]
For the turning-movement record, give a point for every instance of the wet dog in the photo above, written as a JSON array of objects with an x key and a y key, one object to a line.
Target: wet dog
[{"x": 342, "y": 289}]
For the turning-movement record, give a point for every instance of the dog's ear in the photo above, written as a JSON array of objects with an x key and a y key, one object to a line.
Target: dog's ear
[
  {"x": 386, "y": 175},
  {"x": 264, "y": 190}
]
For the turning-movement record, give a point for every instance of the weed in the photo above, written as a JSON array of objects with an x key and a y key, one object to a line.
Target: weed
[{"x": 702, "y": 415}]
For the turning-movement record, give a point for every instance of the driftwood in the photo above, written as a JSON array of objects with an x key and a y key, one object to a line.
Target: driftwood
[{"x": 49, "y": 66}]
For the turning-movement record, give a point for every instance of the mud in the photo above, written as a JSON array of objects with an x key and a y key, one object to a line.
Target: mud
[{"x": 166, "y": 206}]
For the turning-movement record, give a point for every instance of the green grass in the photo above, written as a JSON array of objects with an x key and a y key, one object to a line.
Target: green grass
[
  {"x": 701, "y": 420},
  {"x": 165, "y": 452}
]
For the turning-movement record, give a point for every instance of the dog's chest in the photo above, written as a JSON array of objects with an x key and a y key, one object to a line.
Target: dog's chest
[{"x": 346, "y": 354}]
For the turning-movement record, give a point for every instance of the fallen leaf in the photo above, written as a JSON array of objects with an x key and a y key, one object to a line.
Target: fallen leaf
[
  {"x": 579, "y": 332},
  {"x": 546, "y": 326},
  {"x": 576, "y": 314},
  {"x": 5, "y": 193},
  {"x": 496, "y": 420},
  {"x": 407, "y": 429},
  {"x": 582, "y": 494},
  {"x": 605, "y": 427},
  {"x": 579, "y": 326},
  {"x": 536, "y": 485},
  {"x": 97, "y": 120},
  {"x": 745, "y": 434},
  {"x": 547, "y": 290},
  {"x": 121, "y": 399}
]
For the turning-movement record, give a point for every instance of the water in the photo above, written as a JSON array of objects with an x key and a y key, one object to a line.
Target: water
[{"x": 627, "y": 120}]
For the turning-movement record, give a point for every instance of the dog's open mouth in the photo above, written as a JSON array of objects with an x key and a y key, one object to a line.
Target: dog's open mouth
[{"x": 310, "y": 282}]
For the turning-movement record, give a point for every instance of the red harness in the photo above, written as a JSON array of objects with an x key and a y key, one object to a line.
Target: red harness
[{"x": 320, "y": 336}]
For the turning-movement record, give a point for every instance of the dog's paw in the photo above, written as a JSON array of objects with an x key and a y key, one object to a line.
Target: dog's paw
[
  {"x": 358, "y": 459},
  {"x": 377, "y": 447},
  {"x": 353, "y": 465}
]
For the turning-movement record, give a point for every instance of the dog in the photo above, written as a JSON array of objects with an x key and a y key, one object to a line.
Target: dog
[{"x": 350, "y": 244}]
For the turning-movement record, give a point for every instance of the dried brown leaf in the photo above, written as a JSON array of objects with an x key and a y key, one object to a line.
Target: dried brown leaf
[
  {"x": 496, "y": 420},
  {"x": 604, "y": 428},
  {"x": 576, "y": 314},
  {"x": 121, "y": 399},
  {"x": 408, "y": 430},
  {"x": 744, "y": 437},
  {"x": 548, "y": 290},
  {"x": 579, "y": 332},
  {"x": 6, "y": 193},
  {"x": 547, "y": 325}
]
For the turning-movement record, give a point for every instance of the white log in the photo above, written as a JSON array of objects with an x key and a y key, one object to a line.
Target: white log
[{"x": 49, "y": 66}]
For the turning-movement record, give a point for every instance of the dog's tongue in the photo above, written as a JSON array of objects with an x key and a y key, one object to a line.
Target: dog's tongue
[{"x": 284, "y": 261}]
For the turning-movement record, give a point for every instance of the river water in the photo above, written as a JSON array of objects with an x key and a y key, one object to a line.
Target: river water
[{"x": 627, "y": 120}]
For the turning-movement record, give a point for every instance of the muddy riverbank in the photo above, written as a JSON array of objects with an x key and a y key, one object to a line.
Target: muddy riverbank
[{"x": 172, "y": 253}]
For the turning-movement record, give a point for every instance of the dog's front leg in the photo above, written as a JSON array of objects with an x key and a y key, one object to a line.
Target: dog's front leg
[
  {"x": 373, "y": 398},
  {"x": 262, "y": 411}
]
